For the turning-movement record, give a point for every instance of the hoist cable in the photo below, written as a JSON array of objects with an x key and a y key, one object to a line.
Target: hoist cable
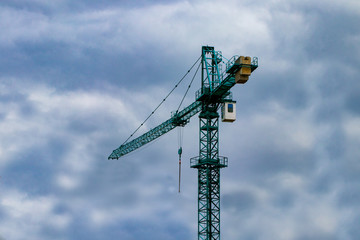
[
  {"x": 180, "y": 152},
  {"x": 161, "y": 101},
  {"x": 180, "y": 133},
  {"x": 180, "y": 141}
]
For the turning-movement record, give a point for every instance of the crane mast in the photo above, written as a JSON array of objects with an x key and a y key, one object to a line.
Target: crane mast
[
  {"x": 213, "y": 94},
  {"x": 208, "y": 162}
]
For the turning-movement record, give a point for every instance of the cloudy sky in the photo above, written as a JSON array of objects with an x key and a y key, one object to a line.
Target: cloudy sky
[{"x": 77, "y": 77}]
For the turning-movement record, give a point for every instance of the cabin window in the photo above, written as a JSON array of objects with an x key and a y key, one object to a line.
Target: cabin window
[{"x": 230, "y": 108}]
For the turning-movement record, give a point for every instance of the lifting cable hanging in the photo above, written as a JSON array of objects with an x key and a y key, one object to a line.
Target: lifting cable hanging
[
  {"x": 181, "y": 130},
  {"x": 161, "y": 102},
  {"x": 180, "y": 141}
]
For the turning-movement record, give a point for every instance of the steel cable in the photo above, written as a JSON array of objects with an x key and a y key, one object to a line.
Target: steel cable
[{"x": 131, "y": 135}]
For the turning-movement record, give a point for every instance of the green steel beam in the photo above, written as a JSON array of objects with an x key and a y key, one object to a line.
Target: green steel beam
[
  {"x": 178, "y": 119},
  {"x": 210, "y": 66},
  {"x": 227, "y": 81}
]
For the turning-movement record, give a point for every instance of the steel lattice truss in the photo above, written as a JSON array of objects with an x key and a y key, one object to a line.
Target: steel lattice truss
[
  {"x": 215, "y": 90},
  {"x": 209, "y": 165},
  {"x": 209, "y": 202},
  {"x": 178, "y": 119}
]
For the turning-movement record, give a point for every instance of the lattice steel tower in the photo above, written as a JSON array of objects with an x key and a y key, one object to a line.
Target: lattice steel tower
[{"x": 213, "y": 95}]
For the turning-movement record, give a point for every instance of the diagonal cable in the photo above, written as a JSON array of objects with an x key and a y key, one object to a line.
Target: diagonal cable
[
  {"x": 187, "y": 90},
  {"x": 162, "y": 101}
]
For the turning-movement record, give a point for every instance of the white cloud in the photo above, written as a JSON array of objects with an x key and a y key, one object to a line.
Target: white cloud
[
  {"x": 352, "y": 128},
  {"x": 126, "y": 30},
  {"x": 51, "y": 114},
  {"x": 86, "y": 121},
  {"x": 21, "y": 25},
  {"x": 30, "y": 214},
  {"x": 67, "y": 182},
  {"x": 309, "y": 214}
]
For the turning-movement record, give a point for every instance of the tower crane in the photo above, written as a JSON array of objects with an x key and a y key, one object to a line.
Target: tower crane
[{"x": 213, "y": 95}]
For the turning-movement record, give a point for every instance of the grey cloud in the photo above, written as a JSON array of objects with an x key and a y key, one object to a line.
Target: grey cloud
[
  {"x": 32, "y": 168},
  {"x": 349, "y": 197},
  {"x": 112, "y": 183},
  {"x": 266, "y": 159},
  {"x": 133, "y": 229},
  {"x": 309, "y": 70},
  {"x": 289, "y": 88},
  {"x": 331, "y": 31},
  {"x": 241, "y": 201},
  {"x": 323, "y": 183},
  {"x": 352, "y": 102},
  {"x": 52, "y": 8},
  {"x": 55, "y": 63},
  {"x": 123, "y": 3},
  {"x": 284, "y": 199},
  {"x": 313, "y": 235},
  {"x": 17, "y": 102},
  {"x": 335, "y": 143},
  {"x": 354, "y": 230}
]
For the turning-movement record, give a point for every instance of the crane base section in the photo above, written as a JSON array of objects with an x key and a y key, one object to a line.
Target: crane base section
[{"x": 221, "y": 162}]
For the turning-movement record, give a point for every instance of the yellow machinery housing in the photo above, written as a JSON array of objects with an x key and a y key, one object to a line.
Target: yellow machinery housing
[{"x": 244, "y": 72}]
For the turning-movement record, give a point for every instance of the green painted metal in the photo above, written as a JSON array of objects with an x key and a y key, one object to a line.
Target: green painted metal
[
  {"x": 210, "y": 61},
  {"x": 208, "y": 162},
  {"x": 215, "y": 89},
  {"x": 178, "y": 119}
]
